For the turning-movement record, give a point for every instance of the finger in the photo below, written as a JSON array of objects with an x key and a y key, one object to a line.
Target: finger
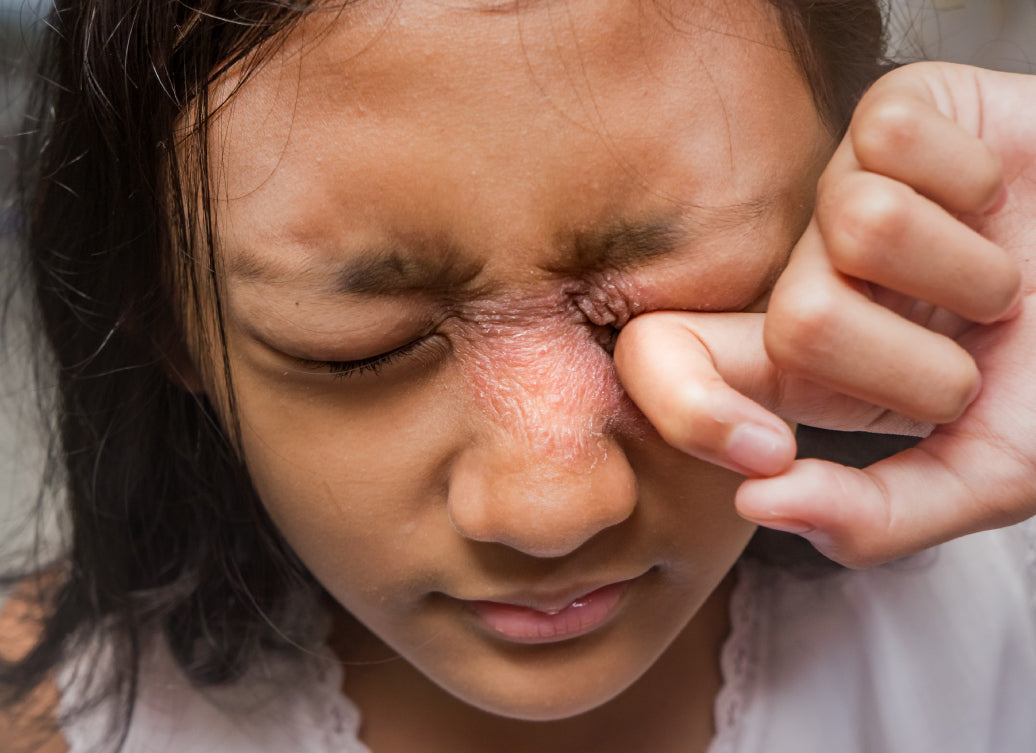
[
  {"x": 879, "y": 230},
  {"x": 821, "y": 328},
  {"x": 932, "y": 493},
  {"x": 661, "y": 356},
  {"x": 670, "y": 374},
  {"x": 899, "y": 130}
]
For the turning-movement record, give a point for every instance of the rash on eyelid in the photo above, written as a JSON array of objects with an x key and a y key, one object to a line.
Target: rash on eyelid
[{"x": 543, "y": 381}]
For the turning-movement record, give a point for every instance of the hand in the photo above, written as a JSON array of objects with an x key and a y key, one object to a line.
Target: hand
[{"x": 903, "y": 305}]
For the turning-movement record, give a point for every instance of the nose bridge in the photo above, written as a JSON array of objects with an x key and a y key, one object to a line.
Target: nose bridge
[
  {"x": 544, "y": 473},
  {"x": 549, "y": 390}
]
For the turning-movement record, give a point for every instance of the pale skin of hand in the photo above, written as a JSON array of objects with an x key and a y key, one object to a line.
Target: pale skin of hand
[{"x": 910, "y": 301}]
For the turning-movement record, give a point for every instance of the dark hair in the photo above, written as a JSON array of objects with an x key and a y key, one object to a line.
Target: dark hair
[{"x": 163, "y": 525}]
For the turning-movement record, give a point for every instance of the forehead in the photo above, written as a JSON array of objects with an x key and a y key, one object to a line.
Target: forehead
[{"x": 427, "y": 114}]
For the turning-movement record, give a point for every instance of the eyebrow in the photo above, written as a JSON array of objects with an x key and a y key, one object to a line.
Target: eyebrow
[
  {"x": 428, "y": 267},
  {"x": 625, "y": 245},
  {"x": 393, "y": 271},
  {"x": 622, "y": 246},
  {"x": 378, "y": 271}
]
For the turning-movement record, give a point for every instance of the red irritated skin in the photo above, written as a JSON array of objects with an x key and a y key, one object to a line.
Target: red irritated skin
[
  {"x": 424, "y": 257},
  {"x": 546, "y": 372}
]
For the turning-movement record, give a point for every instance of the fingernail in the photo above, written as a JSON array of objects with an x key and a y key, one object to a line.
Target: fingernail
[{"x": 759, "y": 449}]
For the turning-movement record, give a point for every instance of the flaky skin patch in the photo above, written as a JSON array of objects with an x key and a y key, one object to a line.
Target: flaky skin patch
[{"x": 541, "y": 372}]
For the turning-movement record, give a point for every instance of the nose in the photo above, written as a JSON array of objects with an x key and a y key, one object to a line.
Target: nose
[
  {"x": 540, "y": 503},
  {"x": 544, "y": 471}
]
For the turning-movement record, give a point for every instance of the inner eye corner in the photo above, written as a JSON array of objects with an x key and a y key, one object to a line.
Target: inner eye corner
[
  {"x": 580, "y": 304},
  {"x": 606, "y": 336},
  {"x": 593, "y": 309}
]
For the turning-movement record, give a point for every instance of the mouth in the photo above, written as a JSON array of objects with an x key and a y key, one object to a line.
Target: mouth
[{"x": 531, "y": 622}]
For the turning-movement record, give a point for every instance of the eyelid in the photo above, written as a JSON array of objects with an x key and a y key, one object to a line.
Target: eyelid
[{"x": 373, "y": 365}]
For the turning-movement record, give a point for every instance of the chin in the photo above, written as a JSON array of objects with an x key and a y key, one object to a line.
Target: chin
[
  {"x": 544, "y": 704},
  {"x": 535, "y": 686}
]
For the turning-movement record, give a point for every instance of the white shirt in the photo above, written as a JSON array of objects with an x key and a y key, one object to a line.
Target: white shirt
[{"x": 935, "y": 653}]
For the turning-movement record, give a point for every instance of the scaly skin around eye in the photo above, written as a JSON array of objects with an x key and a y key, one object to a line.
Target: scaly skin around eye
[{"x": 906, "y": 301}]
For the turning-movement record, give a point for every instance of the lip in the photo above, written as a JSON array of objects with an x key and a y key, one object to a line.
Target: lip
[{"x": 533, "y": 621}]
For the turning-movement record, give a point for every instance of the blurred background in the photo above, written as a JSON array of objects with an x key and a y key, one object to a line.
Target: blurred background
[
  {"x": 997, "y": 34},
  {"x": 20, "y": 440},
  {"x": 992, "y": 33}
]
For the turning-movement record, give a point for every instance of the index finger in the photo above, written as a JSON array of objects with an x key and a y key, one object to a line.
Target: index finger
[{"x": 907, "y": 129}]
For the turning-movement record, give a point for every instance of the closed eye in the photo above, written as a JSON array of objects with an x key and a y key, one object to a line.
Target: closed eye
[{"x": 421, "y": 350}]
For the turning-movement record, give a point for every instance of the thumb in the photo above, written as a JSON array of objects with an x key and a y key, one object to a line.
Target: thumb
[
  {"x": 671, "y": 374},
  {"x": 915, "y": 499}
]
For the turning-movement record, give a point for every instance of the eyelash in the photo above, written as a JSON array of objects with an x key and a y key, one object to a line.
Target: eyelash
[
  {"x": 605, "y": 336},
  {"x": 372, "y": 365}
]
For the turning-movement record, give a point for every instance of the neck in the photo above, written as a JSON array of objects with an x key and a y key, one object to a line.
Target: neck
[{"x": 670, "y": 706}]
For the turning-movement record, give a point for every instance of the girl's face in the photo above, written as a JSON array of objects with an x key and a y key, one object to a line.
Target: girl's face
[{"x": 432, "y": 216}]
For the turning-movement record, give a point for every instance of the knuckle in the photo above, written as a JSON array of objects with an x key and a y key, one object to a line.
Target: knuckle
[
  {"x": 884, "y": 127},
  {"x": 861, "y": 221},
  {"x": 799, "y": 323}
]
